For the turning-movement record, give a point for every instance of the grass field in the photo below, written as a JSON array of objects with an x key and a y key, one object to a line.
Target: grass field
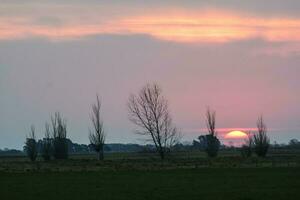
[
  {"x": 207, "y": 183},
  {"x": 142, "y": 161},
  {"x": 184, "y": 175}
]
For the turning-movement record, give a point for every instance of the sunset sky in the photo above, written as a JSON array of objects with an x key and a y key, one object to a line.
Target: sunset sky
[{"x": 241, "y": 58}]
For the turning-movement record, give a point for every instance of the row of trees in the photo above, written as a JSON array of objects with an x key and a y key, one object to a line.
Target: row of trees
[
  {"x": 149, "y": 111},
  {"x": 55, "y": 142},
  {"x": 258, "y": 142}
]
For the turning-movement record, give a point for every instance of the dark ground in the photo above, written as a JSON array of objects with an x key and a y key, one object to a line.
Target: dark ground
[
  {"x": 206, "y": 183},
  {"x": 183, "y": 175}
]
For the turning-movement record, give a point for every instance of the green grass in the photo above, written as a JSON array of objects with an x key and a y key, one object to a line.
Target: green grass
[
  {"x": 146, "y": 161},
  {"x": 183, "y": 175},
  {"x": 206, "y": 183}
]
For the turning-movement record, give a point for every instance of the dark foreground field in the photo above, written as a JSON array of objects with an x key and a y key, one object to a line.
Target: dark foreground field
[
  {"x": 183, "y": 175},
  {"x": 206, "y": 183}
]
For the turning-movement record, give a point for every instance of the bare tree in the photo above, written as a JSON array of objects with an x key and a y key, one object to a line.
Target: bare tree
[
  {"x": 59, "y": 134},
  {"x": 246, "y": 149},
  {"x": 212, "y": 141},
  {"x": 97, "y": 135},
  {"x": 260, "y": 139},
  {"x": 47, "y": 144},
  {"x": 211, "y": 122},
  {"x": 31, "y": 145},
  {"x": 149, "y": 111}
]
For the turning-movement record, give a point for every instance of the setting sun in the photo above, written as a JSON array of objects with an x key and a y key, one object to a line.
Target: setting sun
[{"x": 236, "y": 135}]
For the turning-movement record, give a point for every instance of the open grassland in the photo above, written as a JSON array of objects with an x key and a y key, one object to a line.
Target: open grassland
[
  {"x": 146, "y": 161},
  {"x": 202, "y": 183},
  {"x": 183, "y": 175}
]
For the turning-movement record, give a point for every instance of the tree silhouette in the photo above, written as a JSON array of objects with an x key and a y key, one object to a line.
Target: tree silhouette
[
  {"x": 97, "y": 135},
  {"x": 31, "y": 145},
  {"x": 46, "y": 147},
  {"x": 211, "y": 139},
  {"x": 149, "y": 110},
  {"x": 59, "y": 134},
  {"x": 260, "y": 139}
]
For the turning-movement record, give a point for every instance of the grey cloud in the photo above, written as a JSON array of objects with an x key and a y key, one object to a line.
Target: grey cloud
[
  {"x": 48, "y": 21},
  {"x": 267, "y": 7}
]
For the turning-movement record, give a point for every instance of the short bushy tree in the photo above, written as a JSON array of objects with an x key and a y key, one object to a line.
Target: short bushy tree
[
  {"x": 31, "y": 145},
  {"x": 211, "y": 141},
  {"x": 213, "y": 145},
  {"x": 261, "y": 140}
]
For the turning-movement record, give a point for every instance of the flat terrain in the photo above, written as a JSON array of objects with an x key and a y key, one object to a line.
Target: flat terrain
[
  {"x": 184, "y": 175},
  {"x": 206, "y": 183},
  {"x": 150, "y": 161}
]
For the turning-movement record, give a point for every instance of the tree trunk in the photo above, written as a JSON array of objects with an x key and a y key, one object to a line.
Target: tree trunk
[
  {"x": 100, "y": 155},
  {"x": 162, "y": 154}
]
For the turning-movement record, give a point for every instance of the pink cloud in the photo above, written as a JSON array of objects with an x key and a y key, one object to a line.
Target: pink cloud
[{"x": 175, "y": 25}]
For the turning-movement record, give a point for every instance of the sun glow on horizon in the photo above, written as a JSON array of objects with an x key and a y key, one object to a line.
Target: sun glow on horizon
[{"x": 236, "y": 135}]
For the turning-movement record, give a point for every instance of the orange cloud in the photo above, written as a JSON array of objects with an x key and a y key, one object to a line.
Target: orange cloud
[{"x": 178, "y": 26}]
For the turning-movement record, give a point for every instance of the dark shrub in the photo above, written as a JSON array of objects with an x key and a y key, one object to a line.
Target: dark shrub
[
  {"x": 246, "y": 149},
  {"x": 260, "y": 139},
  {"x": 213, "y": 145},
  {"x": 31, "y": 145}
]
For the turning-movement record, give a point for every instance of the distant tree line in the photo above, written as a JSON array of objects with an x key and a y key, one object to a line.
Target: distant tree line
[{"x": 75, "y": 148}]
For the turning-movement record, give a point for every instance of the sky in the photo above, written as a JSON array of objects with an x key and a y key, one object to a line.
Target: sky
[{"x": 240, "y": 58}]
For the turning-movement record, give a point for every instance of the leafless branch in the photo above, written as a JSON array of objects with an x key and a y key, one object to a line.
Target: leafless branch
[
  {"x": 97, "y": 134},
  {"x": 149, "y": 111}
]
